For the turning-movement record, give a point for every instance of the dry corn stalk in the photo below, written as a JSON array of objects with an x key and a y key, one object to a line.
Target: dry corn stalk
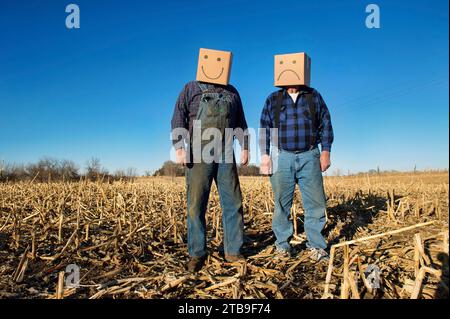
[{"x": 129, "y": 237}]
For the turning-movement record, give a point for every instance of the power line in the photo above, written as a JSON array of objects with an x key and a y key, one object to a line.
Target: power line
[{"x": 374, "y": 99}]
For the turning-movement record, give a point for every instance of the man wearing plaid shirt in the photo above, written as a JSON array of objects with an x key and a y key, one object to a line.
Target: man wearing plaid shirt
[{"x": 298, "y": 160}]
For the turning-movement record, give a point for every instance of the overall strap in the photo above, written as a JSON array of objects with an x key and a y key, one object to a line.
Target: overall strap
[
  {"x": 203, "y": 87},
  {"x": 312, "y": 110},
  {"x": 278, "y": 104}
]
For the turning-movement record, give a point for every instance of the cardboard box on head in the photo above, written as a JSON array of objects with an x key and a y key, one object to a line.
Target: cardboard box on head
[
  {"x": 214, "y": 66},
  {"x": 292, "y": 69}
]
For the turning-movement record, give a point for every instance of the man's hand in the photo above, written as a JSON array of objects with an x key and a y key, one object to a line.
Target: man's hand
[
  {"x": 266, "y": 165},
  {"x": 245, "y": 157},
  {"x": 181, "y": 156},
  {"x": 325, "y": 162}
]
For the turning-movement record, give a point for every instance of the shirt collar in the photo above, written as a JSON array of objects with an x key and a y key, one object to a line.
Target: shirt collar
[{"x": 300, "y": 92}]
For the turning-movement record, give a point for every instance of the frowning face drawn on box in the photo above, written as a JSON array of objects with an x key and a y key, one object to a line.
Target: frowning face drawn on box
[
  {"x": 292, "y": 69},
  {"x": 214, "y": 66}
]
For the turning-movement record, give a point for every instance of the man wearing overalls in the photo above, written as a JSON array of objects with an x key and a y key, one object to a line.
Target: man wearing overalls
[
  {"x": 302, "y": 120},
  {"x": 209, "y": 107}
]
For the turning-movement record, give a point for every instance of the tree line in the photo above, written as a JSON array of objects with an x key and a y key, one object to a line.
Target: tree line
[
  {"x": 172, "y": 169},
  {"x": 51, "y": 169}
]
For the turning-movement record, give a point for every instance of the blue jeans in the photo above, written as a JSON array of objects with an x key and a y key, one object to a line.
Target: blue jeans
[
  {"x": 302, "y": 169},
  {"x": 199, "y": 177}
]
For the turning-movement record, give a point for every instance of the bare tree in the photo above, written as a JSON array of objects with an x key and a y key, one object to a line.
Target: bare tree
[
  {"x": 2, "y": 169},
  {"x": 13, "y": 172},
  {"x": 68, "y": 170},
  {"x": 93, "y": 168},
  {"x": 46, "y": 169},
  {"x": 131, "y": 172},
  {"x": 170, "y": 168},
  {"x": 148, "y": 173},
  {"x": 119, "y": 174},
  {"x": 249, "y": 170}
]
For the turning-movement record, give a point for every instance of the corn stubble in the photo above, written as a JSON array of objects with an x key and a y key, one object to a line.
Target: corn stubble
[{"x": 129, "y": 241}]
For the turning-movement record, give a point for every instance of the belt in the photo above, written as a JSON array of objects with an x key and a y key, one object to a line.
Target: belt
[{"x": 300, "y": 151}]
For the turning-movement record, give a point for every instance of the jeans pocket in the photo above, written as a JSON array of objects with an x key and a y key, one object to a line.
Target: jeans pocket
[{"x": 316, "y": 152}]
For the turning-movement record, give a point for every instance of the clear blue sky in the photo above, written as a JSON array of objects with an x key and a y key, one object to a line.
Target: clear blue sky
[{"x": 108, "y": 89}]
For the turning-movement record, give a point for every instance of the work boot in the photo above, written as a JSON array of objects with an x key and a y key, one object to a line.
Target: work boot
[
  {"x": 281, "y": 253},
  {"x": 318, "y": 254},
  {"x": 234, "y": 258},
  {"x": 195, "y": 264}
]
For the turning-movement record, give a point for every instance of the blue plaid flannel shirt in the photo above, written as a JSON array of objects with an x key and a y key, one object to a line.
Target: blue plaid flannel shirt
[{"x": 295, "y": 124}]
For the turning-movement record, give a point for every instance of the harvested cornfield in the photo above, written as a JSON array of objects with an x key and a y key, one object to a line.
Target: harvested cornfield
[{"x": 128, "y": 240}]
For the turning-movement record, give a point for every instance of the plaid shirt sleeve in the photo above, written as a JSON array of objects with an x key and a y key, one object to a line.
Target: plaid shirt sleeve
[
  {"x": 325, "y": 128},
  {"x": 265, "y": 123},
  {"x": 180, "y": 117}
]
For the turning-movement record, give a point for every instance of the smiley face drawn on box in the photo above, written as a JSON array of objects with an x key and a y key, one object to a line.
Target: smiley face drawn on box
[
  {"x": 292, "y": 69},
  {"x": 214, "y": 66}
]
